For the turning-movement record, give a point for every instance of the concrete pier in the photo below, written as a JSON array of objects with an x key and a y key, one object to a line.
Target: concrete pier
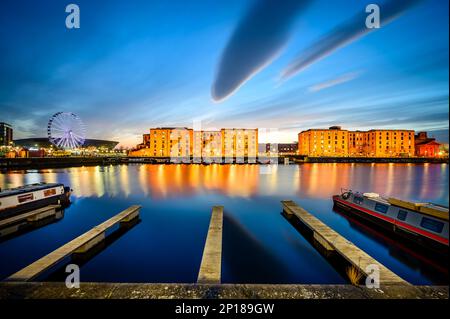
[
  {"x": 211, "y": 265},
  {"x": 209, "y": 284},
  {"x": 13, "y": 224},
  {"x": 77, "y": 245},
  {"x": 331, "y": 240}
]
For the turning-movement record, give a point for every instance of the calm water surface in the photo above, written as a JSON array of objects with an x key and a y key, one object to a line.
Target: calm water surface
[{"x": 259, "y": 245}]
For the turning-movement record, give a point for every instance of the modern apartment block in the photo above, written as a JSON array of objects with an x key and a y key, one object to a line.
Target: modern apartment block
[
  {"x": 6, "y": 134},
  {"x": 336, "y": 142}
]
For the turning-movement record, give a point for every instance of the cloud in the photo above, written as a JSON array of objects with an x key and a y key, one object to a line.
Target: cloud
[
  {"x": 257, "y": 40},
  {"x": 344, "y": 34},
  {"x": 440, "y": 135},
  {"x": 336, "y": 81}
]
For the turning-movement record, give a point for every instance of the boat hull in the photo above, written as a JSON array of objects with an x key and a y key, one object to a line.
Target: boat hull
[
  {"x": 412, "y": 237},
  {"x": 61, "y": 199}
]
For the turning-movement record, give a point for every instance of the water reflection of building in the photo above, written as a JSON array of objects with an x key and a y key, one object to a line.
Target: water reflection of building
[
  {"x": 307, "y": 181},
  {"x": 337, "y": 142},
  {"x": 326, "y": 179},
  {"x": 178, "y": 180}
]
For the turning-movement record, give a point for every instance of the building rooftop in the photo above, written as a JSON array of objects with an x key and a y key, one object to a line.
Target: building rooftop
[
  {"x": 45, "y": 143},
  {"x": 170, "y": 128},
  {"x": 427, "y": 141},
  {"x": 339, "y": 128}
]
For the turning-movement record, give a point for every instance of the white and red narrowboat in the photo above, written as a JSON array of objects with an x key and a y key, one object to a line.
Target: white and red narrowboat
[
  {"x": 25, "y": 198},
  {"x": 425, "y": 224}
]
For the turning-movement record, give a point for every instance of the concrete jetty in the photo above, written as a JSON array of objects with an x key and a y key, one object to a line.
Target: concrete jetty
[
  {"x": 211, "y": 265},
  {"x": 13, "y": 224},
  {"x": 209, "y": 286},
  {"x": 80, "y": 244},
  {"x": 331, "y": 240}
]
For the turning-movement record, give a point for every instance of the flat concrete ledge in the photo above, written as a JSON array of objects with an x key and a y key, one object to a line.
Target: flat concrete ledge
[
  {"x": 211, "y": 264},
  {"x": 56, "y": 290}
]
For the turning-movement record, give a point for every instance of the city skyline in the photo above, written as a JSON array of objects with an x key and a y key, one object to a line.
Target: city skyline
[{"x": 134, "y": 66}]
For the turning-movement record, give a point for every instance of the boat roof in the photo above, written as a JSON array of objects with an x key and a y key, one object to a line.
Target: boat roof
[
  {"x": 381, "y": 200},
  {"x": 429, "y": 209},
  {"x": 27, "y": 188}
]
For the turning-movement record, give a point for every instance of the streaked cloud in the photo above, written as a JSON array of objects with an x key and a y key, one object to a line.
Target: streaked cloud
[
  {"x": 333, "y": 82},
  {"x": 258, "y": 39},
  {"x": 344, "y": 34}
]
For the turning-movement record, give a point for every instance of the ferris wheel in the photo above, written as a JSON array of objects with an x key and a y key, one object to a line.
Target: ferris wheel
[{"x": 66, "y": 130}]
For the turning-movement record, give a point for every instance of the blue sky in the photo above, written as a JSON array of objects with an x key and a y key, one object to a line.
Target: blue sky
[{"x": 138, "y": 64}]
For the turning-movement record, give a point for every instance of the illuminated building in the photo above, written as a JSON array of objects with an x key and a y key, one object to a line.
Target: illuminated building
[
  {"x": 425, "y": 146},
  {"x": 6, "y": 134},
  {"x": 239, "y": 143},
  {"x": 208, "y": 145},
  {"x": 324, "y": 142},
  {"x": 146, "y": 140},
  {"x": 180, "y": 142},
  {"x": 357, "y": 143},
  {"x": 339, "y": 143},
  {"x": 197, "y": 142},
  {"x": 201, "y": 145},
  {"x": 166, "y": 142},
  {"x": 282, "y": 148},
  {"x": 390, "y": 143},
  {"x": 159, "y": 142},
  {"x": 43, "y": 142}
]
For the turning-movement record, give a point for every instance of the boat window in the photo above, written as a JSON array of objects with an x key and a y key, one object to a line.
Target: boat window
[
  {"x": 49, "y": 192},
  {"x": 381, "y": 208},
  {"x": 25, "y": 198},
  {"x": 402, "y": 214},
  {"x": 432, "y": 224},
  {"x": 357, "y": 199}
]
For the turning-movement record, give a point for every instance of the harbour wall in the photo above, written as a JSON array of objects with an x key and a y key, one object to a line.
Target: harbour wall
[
  {"x": 56, "y": 162},
  {"x": 58, "y": 290}
]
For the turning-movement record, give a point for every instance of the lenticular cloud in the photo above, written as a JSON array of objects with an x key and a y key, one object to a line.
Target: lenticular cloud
[
  {"x": 256, "y": 41},
  {"x": 344, "y": 34}
]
